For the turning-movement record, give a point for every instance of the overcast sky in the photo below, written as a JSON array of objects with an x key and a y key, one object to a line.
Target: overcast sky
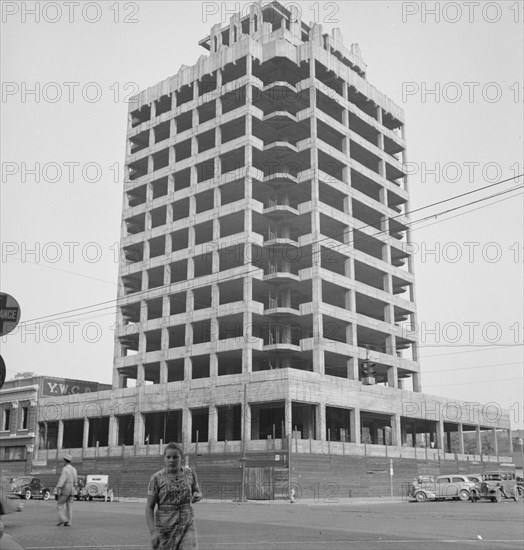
[{"x": 456, "y": 72}]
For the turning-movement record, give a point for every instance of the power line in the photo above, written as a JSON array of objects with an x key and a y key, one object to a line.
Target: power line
[
  {"x": 223, "y": 279},
  {"x": 468, "y": 212},
  {"x": 471, "y": 368},
  {"x": 137, "y": 295},
  {"x": 501, "y": 345},
  {"x": 63, "y": 270},
  {"x": 493, "y": 347},
  {"x": 473, "y": 382}
]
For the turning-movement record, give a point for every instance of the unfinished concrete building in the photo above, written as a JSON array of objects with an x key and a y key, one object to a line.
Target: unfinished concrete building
[{"x": 266, "y": 284}]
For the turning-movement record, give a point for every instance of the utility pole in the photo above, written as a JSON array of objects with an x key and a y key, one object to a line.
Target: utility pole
[
  {"x": 243, "y": 458},
  {"x": 289, "y": 445}
]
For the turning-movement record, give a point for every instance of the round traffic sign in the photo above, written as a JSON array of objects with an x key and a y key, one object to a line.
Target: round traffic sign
[{"x": 9, "y": 313}]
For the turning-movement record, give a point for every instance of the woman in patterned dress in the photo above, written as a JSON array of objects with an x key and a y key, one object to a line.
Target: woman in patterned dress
[{"x": 172, "y": 490}]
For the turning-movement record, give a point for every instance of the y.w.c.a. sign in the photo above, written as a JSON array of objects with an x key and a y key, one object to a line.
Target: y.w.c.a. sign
[{"x": 63, "y": 386}]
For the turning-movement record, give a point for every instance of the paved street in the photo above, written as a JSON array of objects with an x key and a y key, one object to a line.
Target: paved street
[{"x": 362, "y": 525}]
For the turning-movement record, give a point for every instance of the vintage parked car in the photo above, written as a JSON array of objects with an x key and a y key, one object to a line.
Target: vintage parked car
[
  {"x": 520, "y": 485},
  {"x": 97, "y": 486},
  {"x": 495, "y": 486},
  {"x": 29, "y": 487},
  {"x": 455, "y": 486}
]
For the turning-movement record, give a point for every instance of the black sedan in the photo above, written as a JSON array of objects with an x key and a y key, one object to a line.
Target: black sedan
[{"x": 28, "y": 487}]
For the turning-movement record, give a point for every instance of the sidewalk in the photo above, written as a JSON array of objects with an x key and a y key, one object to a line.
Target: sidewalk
[{"x": 301, "y": 501}]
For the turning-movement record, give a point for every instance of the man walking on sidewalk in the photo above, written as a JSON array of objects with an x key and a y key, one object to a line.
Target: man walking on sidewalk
[{"x": 66, "y": 490}]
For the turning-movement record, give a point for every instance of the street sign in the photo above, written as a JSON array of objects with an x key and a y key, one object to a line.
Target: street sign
[
  {"x": 9, "y": 313},
  {"x": 2, "y": 372}
]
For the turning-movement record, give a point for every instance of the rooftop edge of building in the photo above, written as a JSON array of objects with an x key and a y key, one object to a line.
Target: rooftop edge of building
[{"x": 267, "y": 43}]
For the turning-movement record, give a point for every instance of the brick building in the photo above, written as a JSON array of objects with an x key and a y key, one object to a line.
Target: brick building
[{"x": 30, "y": 415}]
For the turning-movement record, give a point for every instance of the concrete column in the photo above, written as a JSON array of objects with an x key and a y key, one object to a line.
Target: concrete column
[
  {"x": 403, "y": 432},
  {"x": 246, "y": 424},
  {"x": 345, "y": 112},
  {"x": 187, "y": 369},
  {"x": 216, "y": 253},
  {"x": 190, "y": 306},
  {"x": 347, "y": 299},
  {"x": 479, "y": 439},
  {"x": 386, "y": 253},
  {"x": 391, "y": 344},
  {"x": 389, "y": 314},
  {"x": 85, "y": 435},
  {"x": 213, "y": 369},
  {"x": 396, "y": 436},
  {"x": 380, "y": 142},
  {"x": 118, "y": 379},
  {"x": 218, "y": 103},
  {"x": 163, "y": 369},
  {"x": 461, "y": 438},
  {"x": 388, "y": 283},
  {"x": 164, "y": 341},
  {"x": 113, "y": 431},
  {"x": 186, "y": 426},
  {"x": 143, "y": 312},
  {"x": 417, "y": 386},
  {"x": 247, "y": 358},
  {"x": 248, "y": 213},
  {"x": 288, "y": 416},
  {"x": 142, "y": 343},
  {"x": 140, "y": 378},
  {"x": 249, "y": 99},
  {"x": 354, "y": 425},
  {"x": 321, "y": 422},
  {"x": 440, "y": 435},
  {"x": 213, "y": 423},
  {"x": 318, "y": 331},
  {"x": 352, "y": 365},
  {"x": 172, "y": 133},
  {"x": 60, "y": 437},
  {"x": 215, "y": 296},
  {"x": 150, "y": 167},
  {"x": 139, "y": 429},
  {"x": 392, "y": 376},
  {"x": 495, "y": 442},
  {"x": 166, "y": 306},
  {"x": 189, "y": 335}
]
